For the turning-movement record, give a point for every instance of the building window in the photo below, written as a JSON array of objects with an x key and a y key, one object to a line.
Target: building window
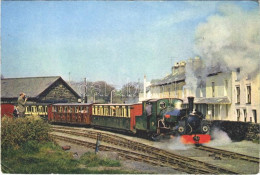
[
  {"x": 255, "y": 115},
  {"x": 238, "y": 114},
  {"x": 238, "y": 94},
  {"x": 248, "y": 93},
  {"x": 226, "y": 111},
  {"x": 213, "y": 89},
  {"x": 226, "y": 88},
  {"x": 201, "y": 90},
  {"x": 245, "y": 115},
  {"x": 213, "y": 110}
]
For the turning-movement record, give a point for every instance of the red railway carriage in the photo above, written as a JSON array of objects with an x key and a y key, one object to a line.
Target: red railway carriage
[
  {"x": 74, "y": 113},
  {"x": 7, "y": 109}
]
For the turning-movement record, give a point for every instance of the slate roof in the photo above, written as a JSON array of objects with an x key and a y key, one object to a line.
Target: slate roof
[
  {"x": 32, "y": 86},
  {"x": 212, "y": 100},
  {"x": 170, "y": 79},
  {"x": 181, "y": 76}
]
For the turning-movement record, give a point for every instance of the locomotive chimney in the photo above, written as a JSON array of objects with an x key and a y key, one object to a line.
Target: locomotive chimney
[{"x": 191, "y": 101}]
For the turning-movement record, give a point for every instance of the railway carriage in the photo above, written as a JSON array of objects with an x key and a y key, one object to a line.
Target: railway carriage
[
  {"x": 37, "y": 110},
  {"x": 31, "y": 109},
  {"x": 119, "y": 117},
  {"x": 7, "y": 109},
  {"x": 71, "y": 113}
]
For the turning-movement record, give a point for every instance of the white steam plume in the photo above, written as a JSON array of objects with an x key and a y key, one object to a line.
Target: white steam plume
[
  {"x": 219, "y": 138},
  {"x": 190, "y": 79},
  {"x": 230, "y": 40}
]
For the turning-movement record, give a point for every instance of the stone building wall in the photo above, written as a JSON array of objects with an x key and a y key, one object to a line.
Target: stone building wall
[{"x": 59, "y": 92}]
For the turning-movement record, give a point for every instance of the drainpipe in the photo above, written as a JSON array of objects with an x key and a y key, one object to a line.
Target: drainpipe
[{"x": 144, "y": 87}]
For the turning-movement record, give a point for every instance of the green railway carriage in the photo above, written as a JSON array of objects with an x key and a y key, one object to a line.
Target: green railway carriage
[{"x": 119, "y": 117}]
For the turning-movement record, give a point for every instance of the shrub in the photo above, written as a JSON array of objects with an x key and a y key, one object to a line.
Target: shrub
[{"x": 17, "y": 132}]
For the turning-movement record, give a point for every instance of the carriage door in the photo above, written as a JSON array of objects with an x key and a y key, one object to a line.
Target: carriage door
[{"x": 148, "y": 110}]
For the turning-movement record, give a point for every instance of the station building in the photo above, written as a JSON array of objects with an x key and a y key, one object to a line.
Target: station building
[
  {"x": 50, "y": 89},
  {"x": 218, "y": 95}
]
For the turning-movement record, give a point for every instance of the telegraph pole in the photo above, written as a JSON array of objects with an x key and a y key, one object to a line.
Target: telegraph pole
[{"x": 85, "y": 97}]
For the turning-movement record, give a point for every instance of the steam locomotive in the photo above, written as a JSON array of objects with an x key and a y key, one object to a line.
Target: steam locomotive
[
  {"x": 151, "y": 118},
  {"x": 166, "y": 116}
]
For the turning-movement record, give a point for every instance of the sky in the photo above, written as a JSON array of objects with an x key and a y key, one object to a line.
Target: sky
[{"x": 117, "y": 42}]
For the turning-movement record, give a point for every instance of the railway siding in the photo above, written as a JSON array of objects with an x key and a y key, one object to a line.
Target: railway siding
[{"x": 163, "y": 157}]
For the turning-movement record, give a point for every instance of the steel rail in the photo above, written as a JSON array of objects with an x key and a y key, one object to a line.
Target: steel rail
[
  {"x": 229, "y": 154},
  {"x": 130, "y": 155},
  {"x": 160, "y": 154}
]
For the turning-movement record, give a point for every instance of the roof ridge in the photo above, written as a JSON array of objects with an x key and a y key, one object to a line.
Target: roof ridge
[{"x": 31, "y": 77}]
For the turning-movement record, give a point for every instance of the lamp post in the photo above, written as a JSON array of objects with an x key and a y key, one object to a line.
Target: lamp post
[
  {"x": 175, "y": 88},
  {"x": 111, "y": 96}
]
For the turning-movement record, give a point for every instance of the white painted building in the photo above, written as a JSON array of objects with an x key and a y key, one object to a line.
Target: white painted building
[{"x": 220, "y": 96}]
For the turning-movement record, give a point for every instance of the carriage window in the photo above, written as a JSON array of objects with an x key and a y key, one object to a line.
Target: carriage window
[
  {"x": 113, "y": 111},
  {"x": 129, "y": 112},
  {"x": 123, "y": 111},
  {"x": 26, "y": 109},
  {"x": 101, "y": 110},
  {"x": 54, "y": 109},
  {"x": 162, "y": 105},
  {"x": 39, "y": 108},
  {"x": 69, "y": 109},
  {"x": 106, "y": 111},
  {"x": 66, "y": 109},
  {"x": 83, "y": 109},
  {"x": 34, "y": 109},
  {"x": 76, "y": 110},
  {"x": 120, "y": 111},
  {"x": 60, "y": 109},
  {"x": 96, "y": 110}
]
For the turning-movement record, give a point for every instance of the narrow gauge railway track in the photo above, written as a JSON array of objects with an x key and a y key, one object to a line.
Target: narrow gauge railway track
[
  {"x": 229, "y": 154},
  {"x": 161, "y": 155},
  {"x": 130, "y": 155}
]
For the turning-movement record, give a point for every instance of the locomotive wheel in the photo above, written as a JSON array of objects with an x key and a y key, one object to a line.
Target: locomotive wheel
[{"x": 155, "y": 137}]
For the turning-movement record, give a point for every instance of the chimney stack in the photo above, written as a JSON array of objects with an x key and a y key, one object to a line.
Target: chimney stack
[{"x": 191, "y": 102}]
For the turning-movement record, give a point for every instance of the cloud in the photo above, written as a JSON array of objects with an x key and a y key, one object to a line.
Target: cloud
[{"x": 230, "y": 39}]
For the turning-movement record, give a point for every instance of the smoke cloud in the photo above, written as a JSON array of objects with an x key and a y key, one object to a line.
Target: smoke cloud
[
  {"x": 191, "y": 79},
  {"x": 219, "y": 138},
  {"x": 230, "y": 39}
]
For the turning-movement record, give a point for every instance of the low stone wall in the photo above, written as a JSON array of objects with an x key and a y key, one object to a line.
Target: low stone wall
[{"x": 237, "y": 130}]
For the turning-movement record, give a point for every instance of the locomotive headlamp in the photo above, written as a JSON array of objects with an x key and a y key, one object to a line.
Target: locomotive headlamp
[
  {"x": 205, "y": 128},
  {"x": 181, "y": 129}
]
